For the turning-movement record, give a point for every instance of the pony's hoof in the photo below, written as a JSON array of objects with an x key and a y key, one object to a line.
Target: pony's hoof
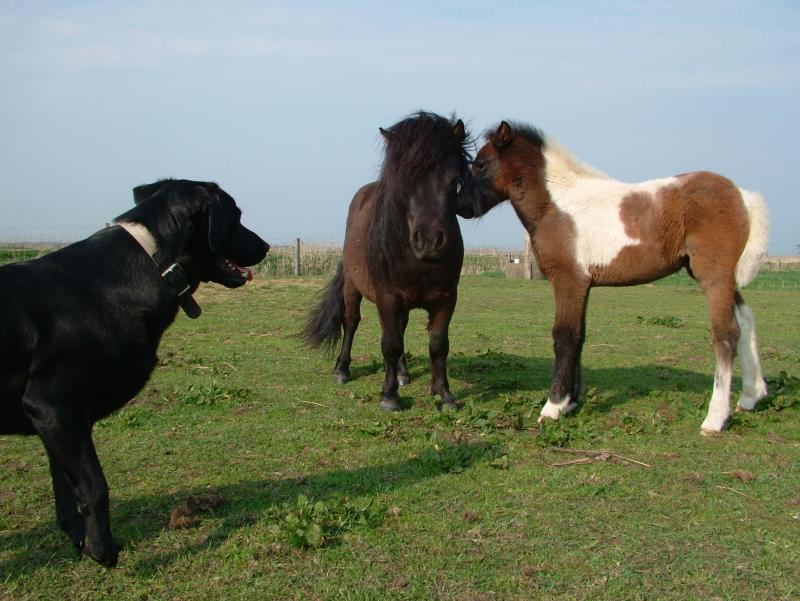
[
  {"x": 339, "y": 378},
  {"x": 403, "y": 380},
  {"x": 390, "y": 405},
  {"x": 740, "y": 409},
  {"x": 555, "y": 411},
  {"x": 708, "y": 433},
  {"x": 450, "y": 405}
]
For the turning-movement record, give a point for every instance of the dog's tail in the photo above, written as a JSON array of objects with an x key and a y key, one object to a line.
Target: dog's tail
[
  {"x": 324, "y": 324},
  {"x": 755, "y": 250}
]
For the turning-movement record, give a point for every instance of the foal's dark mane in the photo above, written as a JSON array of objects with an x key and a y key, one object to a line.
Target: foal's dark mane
[
  {"x": 524, "y": 130},
  {"x": 414, "y": 147}
]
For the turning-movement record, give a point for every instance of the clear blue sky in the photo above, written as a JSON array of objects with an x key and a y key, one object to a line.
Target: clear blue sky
[{"x": 281, "y": 102}]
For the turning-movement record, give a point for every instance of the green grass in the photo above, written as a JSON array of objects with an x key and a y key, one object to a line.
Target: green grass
[{"x": 321, "y": 496}]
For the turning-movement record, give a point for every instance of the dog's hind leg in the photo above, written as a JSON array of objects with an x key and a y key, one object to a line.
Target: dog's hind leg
[
  {"x": 67, "y": 516},
  {"x": 67, "y": 436}
]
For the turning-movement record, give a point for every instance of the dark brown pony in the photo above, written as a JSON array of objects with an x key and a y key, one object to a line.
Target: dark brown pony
[
  {"x": 588, "y": 229},
  {"x": 402, "y": 250}
]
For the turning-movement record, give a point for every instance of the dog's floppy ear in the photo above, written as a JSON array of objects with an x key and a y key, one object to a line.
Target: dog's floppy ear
[
  {"x": 219, "y": 220},
  {"x": 143, "y": 192}
]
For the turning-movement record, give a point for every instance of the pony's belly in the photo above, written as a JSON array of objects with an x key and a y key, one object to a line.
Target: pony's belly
[{"x": 634, "y": 264}]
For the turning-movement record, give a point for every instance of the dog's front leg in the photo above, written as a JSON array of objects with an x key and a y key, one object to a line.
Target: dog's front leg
[
  {"x": 67, "y": 516},
  {"x": 67, "y": 437}
]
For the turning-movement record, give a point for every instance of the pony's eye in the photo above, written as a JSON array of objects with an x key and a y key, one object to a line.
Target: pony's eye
[{"x": 480, "y": 165}]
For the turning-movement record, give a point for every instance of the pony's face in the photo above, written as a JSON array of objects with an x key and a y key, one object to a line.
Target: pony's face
[
  {"x": 495, "y": 172},
  {"x": 432, "y": 211},
  {"x": 432, "y": 205}
]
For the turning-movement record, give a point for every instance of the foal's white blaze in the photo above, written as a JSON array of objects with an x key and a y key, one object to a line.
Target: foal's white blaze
[
  {"x": 593, "y": 201},
  {"x": 753, "y": 386},
  {"x": 555, "y": 410}
]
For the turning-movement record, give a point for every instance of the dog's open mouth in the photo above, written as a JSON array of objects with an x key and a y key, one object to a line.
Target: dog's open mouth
[{"x": 235, "y": 271}]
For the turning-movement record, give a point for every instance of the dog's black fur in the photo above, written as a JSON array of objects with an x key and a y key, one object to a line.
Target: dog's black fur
[{"x": 79, "y": 330}]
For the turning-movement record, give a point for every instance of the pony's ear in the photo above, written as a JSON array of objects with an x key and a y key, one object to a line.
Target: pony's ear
[
  {"x": 459, "y": 131},
  {"x": 385, "y": 133},
  {"x": 502, "y": 137}
]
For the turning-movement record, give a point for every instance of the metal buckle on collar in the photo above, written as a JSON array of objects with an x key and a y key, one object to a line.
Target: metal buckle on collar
[{"x": 176, "y": 279}]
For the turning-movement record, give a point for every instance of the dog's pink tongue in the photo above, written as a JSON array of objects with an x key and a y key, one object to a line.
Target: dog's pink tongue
[{"x": 245, "y": 271}]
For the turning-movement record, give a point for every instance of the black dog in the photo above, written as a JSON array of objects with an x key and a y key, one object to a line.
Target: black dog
[{"x": 79, "y": 330}]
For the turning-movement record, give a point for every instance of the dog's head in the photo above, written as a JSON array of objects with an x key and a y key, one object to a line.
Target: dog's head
[{"x": 199, "y": 226}]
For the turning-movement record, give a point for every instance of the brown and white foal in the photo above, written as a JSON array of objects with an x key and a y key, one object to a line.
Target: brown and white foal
[{"x": 588, "y": 229}]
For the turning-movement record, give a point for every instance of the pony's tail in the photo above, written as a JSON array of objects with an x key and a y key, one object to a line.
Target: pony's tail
[
  {"x": 324, "y": 324},
  {"x": 755, "y": 251}
]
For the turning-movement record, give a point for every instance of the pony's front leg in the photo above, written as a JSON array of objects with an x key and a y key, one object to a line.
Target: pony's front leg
[
  {"x": 403, "y": 377},
  {"x": 392, "y": 349},
  {"x": 571, "y": 296},
  {"x": 439, "y": 347}
]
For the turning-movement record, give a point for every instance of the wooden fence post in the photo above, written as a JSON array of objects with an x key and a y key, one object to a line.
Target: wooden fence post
[{"x": 297, "y": 258}]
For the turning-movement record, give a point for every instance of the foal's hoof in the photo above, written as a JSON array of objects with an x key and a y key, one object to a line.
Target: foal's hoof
[
  {"x": 340, "y": 378},
  {"x": 449, "y": 405},
  {"x": 403, "y": 380},
  {"x": 390, "y": 405},
  {"x": 708, "y": 433}
]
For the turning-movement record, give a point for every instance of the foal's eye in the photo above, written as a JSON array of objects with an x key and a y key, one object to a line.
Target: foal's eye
[{"x": 480, "y": 165}]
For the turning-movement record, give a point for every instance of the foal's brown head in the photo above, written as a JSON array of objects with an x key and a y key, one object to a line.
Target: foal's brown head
[{"x": 510, "y": 160}]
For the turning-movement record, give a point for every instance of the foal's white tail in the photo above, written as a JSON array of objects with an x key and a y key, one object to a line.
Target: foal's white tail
[{"x": 755, "y": 251}]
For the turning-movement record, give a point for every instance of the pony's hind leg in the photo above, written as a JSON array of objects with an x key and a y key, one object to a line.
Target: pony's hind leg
[
  {"x": 725, "y": 336},
  {"x": 403, "y": 378},
  {"x": 352, "y": 317},
  {"x": 754, "y": 388}
]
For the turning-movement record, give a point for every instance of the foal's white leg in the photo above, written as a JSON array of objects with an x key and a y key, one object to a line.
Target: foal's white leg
[
  {"x": 754, "y": 388},
  {"x": 719, "y": 409},
  {"x": 555, "y": 410}
]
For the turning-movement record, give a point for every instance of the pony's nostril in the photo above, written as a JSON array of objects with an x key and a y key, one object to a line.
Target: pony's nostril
[
  {"x": 416, "y": 240},
  {"x": 440, "y": 240}
]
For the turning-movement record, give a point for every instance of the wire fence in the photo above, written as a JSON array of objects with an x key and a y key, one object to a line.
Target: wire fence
[{"x": 321, "y": 260}]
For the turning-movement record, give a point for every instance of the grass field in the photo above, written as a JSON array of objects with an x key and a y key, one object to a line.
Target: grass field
[{"x": 242, "y": 472}]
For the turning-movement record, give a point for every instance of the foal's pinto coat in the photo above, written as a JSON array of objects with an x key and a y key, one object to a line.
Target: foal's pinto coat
[{"x": 588, "y": 229}]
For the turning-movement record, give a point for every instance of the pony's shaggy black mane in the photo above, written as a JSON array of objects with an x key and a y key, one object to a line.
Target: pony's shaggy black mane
[{"x": 414, "y": 147}]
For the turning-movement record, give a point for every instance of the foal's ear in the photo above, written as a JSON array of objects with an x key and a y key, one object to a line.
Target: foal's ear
[
  {"x": 502, "y": 137},
  {"x": 459, "y": 131},
  {"x": 385, "y": 133}
]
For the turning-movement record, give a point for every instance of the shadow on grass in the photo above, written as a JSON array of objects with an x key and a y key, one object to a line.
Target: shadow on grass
[
  {"x": 493, "y": 373},
  {"x": 142, "y": 518}
]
